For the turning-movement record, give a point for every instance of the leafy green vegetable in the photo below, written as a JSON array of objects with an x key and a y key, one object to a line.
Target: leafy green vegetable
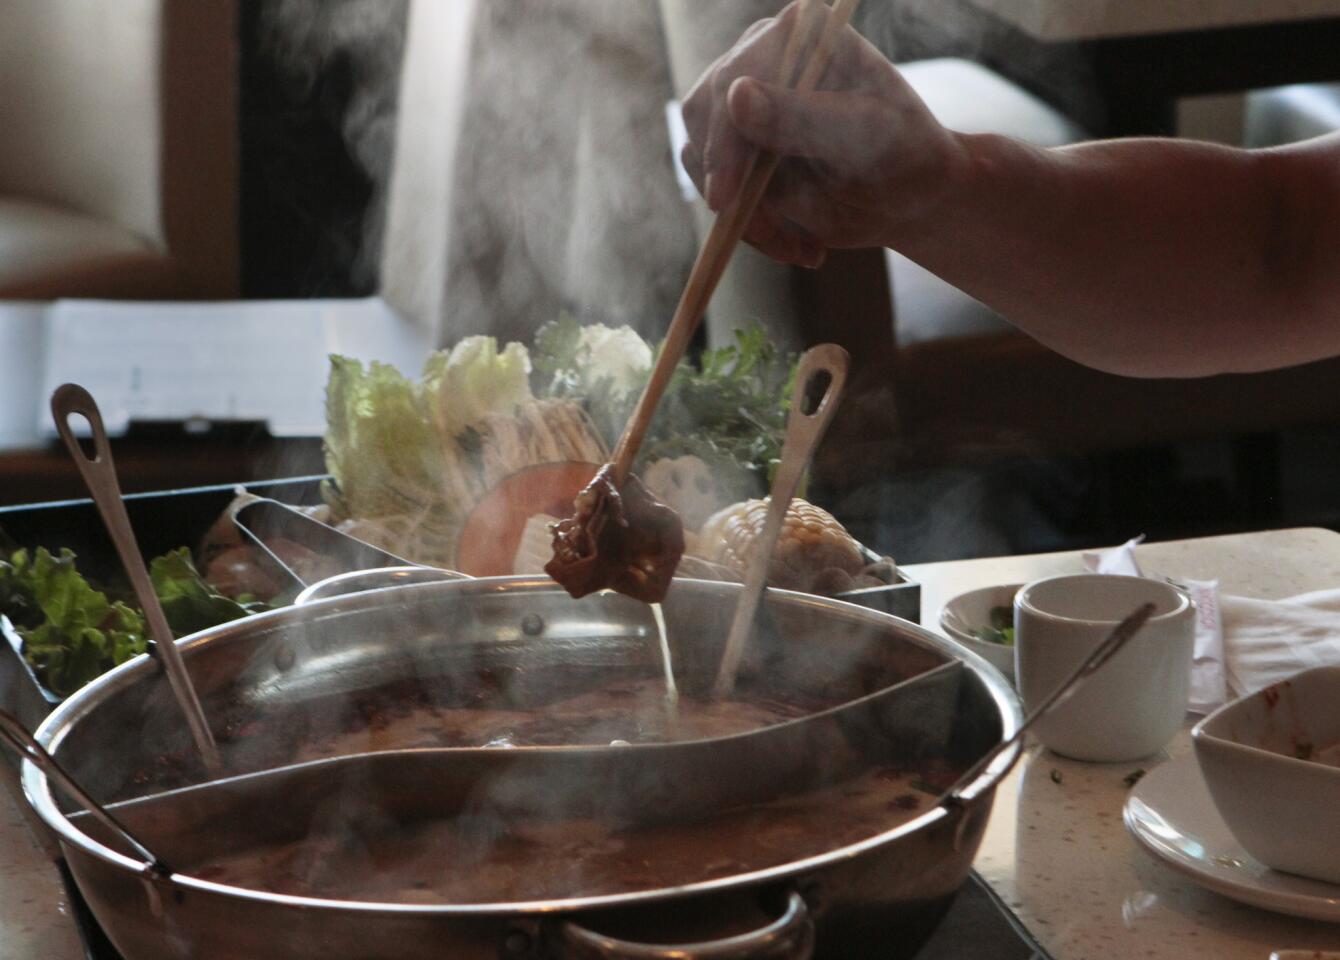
[
  {"x": 380, "y": 447},
  {"x": 464, "y": 384},
  {"x": 382, "y": 452},
  {"x": 82, "y": 633},
  {"x": 1001, "y": 630},
  {"x": 18, "y": 601},
  {"x": 72, "y": 632},
  {"x": 564, "y": 370},
  {"x": 570, "y": 359},
  {"x": 189, "y": 603},
  {"x": 729, "y": 409},
  {"x": 557, "y": 355},
  {"x": 404, "y": 453}
]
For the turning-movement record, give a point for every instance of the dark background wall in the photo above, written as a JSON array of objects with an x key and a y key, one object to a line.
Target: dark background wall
[{"x": 319, "y": 81}]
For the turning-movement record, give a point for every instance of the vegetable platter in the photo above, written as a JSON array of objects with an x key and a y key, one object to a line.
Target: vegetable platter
[{"x": 462, "y": 467}]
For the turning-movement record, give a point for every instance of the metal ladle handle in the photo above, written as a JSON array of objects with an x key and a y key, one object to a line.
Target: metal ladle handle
[
  {"x": 1102, "y": 653},
  {"x": 820, "y": 379},
  {"x": 99, "y": 475},
  {"x": 27, "y": 746}
]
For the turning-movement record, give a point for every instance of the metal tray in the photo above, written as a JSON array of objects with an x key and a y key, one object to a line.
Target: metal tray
[
  {"x": 21, "y": 693},
  {"x": 163, "y": 521},
  {"x": 166, "y": 520},
  {"x": 902, "y": 598}
]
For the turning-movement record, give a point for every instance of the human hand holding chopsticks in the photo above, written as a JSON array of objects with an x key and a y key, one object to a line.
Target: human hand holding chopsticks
[
  {"x": 809, "y": 41},
  {"x": 618, "y": 535},
  {"x": 862, "y": 152},
  {"x": 1084, "y": 247}
]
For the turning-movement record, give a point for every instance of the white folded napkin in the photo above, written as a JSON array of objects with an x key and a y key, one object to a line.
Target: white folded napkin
[
  {"x": 1243, "y": 644},
  {"x": 1269, "y": 640},
  {"x": 1116, "y": 560}
]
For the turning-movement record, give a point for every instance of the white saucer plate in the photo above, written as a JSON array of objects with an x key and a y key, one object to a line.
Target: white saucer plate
[{"x": 1170, "y": 812}]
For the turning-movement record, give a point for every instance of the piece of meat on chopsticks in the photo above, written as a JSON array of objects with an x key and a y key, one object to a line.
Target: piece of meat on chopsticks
[{"x": 620, "y": 538}]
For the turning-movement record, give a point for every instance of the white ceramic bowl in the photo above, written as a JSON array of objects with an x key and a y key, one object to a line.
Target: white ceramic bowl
[
  {"x": 971, "y": 611},
  {"x": 1283, "y": 809}
]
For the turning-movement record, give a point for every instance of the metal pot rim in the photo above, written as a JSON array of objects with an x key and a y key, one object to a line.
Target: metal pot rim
[{"x": 38, "y": 792}]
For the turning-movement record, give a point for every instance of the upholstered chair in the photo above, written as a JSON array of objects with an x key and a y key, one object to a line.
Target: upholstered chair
[{"x": 118, "y": 156}]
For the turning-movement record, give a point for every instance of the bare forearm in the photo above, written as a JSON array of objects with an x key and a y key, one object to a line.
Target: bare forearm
[{"x": 1145, "y": 257}]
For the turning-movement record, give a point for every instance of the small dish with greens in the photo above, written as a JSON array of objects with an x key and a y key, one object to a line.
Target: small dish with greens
[{"x": 983, "y": 621}]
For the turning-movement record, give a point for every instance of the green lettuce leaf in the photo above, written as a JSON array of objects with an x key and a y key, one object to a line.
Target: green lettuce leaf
[
  {"x": 18, "y": 602},
  {"x": 403, "y": 454},
  {"x": 72, "y": 632},
  {"x": 380, "y": 447},
  {"x": 388, "y": 464},
  {"x": 83, "y": 634},
  {"x": 189, "y": 603},
  {"x": 472, "y": 380}
]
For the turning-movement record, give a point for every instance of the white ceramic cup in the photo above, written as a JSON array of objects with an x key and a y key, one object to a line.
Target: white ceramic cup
[{"x": 1132, "y": 705}]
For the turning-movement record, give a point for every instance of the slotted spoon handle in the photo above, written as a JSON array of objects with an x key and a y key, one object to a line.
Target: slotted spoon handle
[
  {"x": 26, "y": 745},
  {"x": 99, "y": 475},
  {"x": 1100, "y": 654},
  {"x": 820, "y": 380}
]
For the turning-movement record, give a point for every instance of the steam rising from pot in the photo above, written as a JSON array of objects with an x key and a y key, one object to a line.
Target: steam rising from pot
[{"x": 340, "y": 60}]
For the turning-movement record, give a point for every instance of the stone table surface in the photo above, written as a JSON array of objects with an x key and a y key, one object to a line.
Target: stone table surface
[
  {"x": 1059, "y": 853},
  {"x": 35, "y": 922}
]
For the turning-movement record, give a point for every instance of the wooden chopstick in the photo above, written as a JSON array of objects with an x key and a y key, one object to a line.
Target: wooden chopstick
[
  {"x": 729, "y": 227},
  {"x": 800, "y": 35}
]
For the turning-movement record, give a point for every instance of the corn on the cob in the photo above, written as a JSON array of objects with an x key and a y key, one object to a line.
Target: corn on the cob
[{"x": 814, "y": 551}]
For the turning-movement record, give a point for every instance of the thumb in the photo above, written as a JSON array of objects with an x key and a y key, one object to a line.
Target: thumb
[{"x": 818, "y": 125}]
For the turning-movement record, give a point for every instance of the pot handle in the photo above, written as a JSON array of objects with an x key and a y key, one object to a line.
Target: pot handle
[
  {"x": 789, "y": 937},
  {"x": 357, "y": 581}
]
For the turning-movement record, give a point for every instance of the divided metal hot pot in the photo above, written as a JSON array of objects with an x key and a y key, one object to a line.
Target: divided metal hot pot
[{"x": 884, "y": 694}]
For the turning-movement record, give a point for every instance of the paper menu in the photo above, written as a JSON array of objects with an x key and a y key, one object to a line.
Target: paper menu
[
  {"x": 249, "y": 360},
  {"x": 20, "y": 372}
]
